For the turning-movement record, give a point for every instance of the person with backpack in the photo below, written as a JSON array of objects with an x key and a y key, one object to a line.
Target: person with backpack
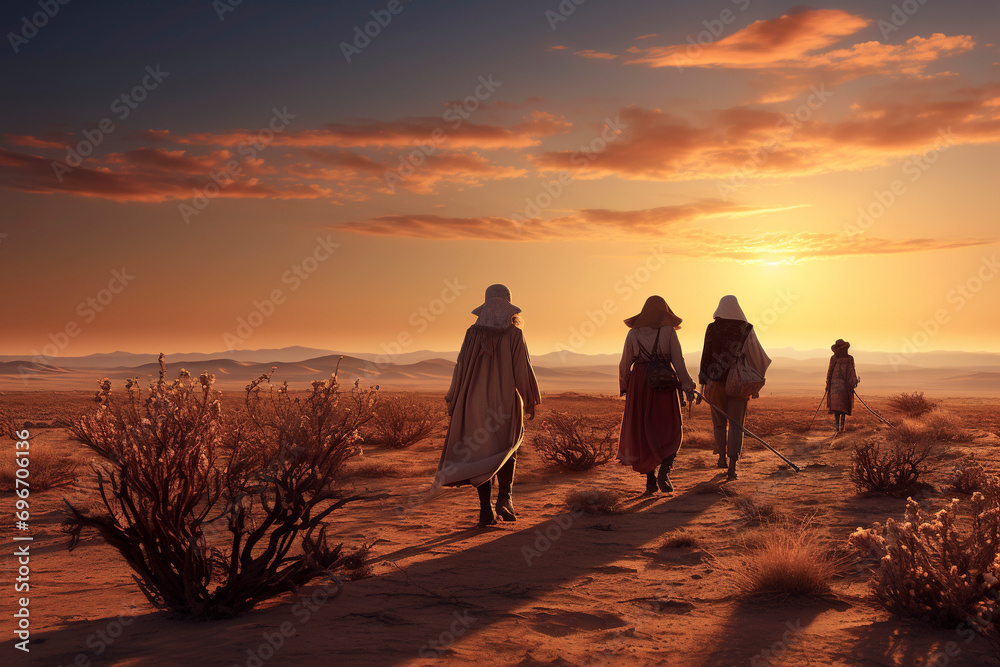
[
  {"x": 731, "y": 346},
  {"x": 650, "y": 376}
]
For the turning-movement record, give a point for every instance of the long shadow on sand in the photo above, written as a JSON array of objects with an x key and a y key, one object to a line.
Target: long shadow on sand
[{"x": 402, "y": 614}]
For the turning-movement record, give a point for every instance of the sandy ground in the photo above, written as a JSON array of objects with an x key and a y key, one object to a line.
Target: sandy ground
[{"x": 553, "y": 588}]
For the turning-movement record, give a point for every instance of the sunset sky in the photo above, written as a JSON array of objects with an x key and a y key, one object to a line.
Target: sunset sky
[{"x": 585, "y": 159}]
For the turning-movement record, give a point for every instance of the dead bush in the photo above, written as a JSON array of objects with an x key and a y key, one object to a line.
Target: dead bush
[
  {"x": 942, "y": 567},
  {"x": 400, "y": 422},
  {"x": 970, "y": 476},
  {"x": 912, "y": 405},
  {"x": 881, "y": 468},
  {"x": 45, "y": 470},
  {"x": 577, "y": 442},
  {"x": 217, "y": 512},
  {"x": 594, "y": 501}
]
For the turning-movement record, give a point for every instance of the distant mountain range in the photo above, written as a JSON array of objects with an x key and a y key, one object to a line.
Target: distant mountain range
[{"x": 792, "y": 372}]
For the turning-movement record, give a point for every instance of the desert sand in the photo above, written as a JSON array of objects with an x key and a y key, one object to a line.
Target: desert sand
[{"x": 553, "y": 588}]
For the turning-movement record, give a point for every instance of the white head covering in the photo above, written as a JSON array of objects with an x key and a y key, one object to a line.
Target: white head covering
[
  {"x": 729, "y": 309},
  {"x": 497, "y": 311}
]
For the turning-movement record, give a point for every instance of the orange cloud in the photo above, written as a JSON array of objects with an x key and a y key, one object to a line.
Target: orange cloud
[
  {"x": 686, "y": 238},
  {"x": 596, "y": 55},
  {"x": 655, "y": 145},
  {"x": 761, "y": 44},
  {"x": 451, "y": 129}
]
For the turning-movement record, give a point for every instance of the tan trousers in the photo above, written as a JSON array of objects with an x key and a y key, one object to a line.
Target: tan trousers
[{"x": 728, "y": 438}]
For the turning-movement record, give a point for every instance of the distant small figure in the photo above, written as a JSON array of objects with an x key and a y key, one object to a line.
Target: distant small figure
[
  {"x": 493, "y": 389},
  {"x": 841, "y": 379},
  {"x": 650, "y": 374},
  {"x": 728, "y": 339}
]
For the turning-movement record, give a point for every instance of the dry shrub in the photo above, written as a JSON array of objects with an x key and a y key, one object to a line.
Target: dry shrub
[
  {"x": 46, "y": 470},
  {"x": 400, "y": 422},
  {"x": 595, "y": 501},
  {"x": 783, "y": 562},
  {"x": 941, "y": 567},
  {"x": 216, "y": 512},
  {"x": 577, "y": 442},
  {"x": 946, "y": 427},
  {"x": 912, "y": 405},
  {"x": 680, "y": 539},
  {"x": 970, "y": 476},
  {"x": 909, "y": 432},
  {"x": 756, "y": 510},
  {"x": 880, "y": 468}
]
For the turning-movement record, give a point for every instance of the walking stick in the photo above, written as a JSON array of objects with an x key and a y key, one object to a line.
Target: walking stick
[
  {"x": 745, "y": 430},
  {"x": 877, "y": 415},
  {"x": 825, "y": 392}
]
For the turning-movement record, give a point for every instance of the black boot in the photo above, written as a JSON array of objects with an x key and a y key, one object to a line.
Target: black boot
[
  {"x": 722, "y": 463},
  {"x": 731, "y": 473},
  {"x": 486, "y": 517},
  {"x": 650, "y": 484},
  {"x": 663, "y": 477},
  {"x": 505, "y": 482}
]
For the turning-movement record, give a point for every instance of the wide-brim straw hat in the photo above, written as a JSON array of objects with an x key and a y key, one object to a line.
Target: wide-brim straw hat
[
  {"x": 496, "y": 309},
  {"x": 841, "y": 344},
  {"x": 655, "y": 313}
]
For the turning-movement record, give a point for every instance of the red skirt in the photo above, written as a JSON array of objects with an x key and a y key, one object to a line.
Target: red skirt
[{"x": 651, "y": 425}]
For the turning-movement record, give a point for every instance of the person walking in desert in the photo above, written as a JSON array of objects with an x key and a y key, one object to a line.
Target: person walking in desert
[
  {"x": 728, "y": 339},
  {"x": 841, "y": 379},
  {"x": 650, "y": 374},
  {"x": 493, "y": 389}
]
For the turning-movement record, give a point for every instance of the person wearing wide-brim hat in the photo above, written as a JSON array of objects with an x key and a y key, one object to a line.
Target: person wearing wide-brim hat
[
  {"x": 841, "y": 379},
  {"x": 493, "y": 389},
  {"x": 728, "y": 338},
  {"x": 651, "y": 425}
]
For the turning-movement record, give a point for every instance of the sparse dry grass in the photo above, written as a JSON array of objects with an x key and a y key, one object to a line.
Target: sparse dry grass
[
  {"x": 757, "y": 510},
  {"x": 595, "y": 501},
  {"x": 698, "y": 439},
  {"x": 46, "y": 470},
  {"x": 782, "y": 562},
  {"x": 944, "y": 426},
  {"x": 680, "y": 539},
  {"x": 375, "y": 469}
]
